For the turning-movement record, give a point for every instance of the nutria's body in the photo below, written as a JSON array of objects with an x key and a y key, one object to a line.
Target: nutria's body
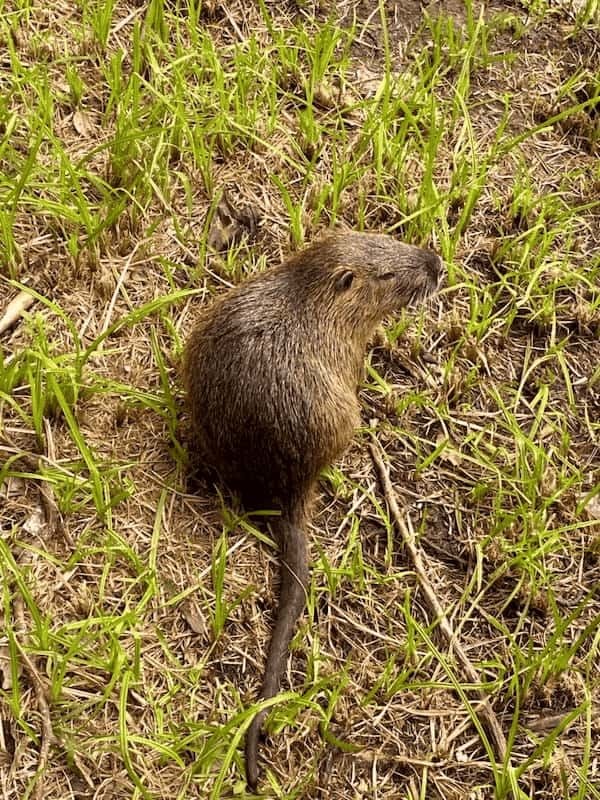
[{"x": 271, "y": 372}]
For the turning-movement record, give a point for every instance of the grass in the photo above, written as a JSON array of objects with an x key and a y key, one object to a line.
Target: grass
[{"x": 143, "y": 618}]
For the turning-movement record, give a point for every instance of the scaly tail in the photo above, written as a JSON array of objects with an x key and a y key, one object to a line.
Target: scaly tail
[{"x": 292, "y": 599}]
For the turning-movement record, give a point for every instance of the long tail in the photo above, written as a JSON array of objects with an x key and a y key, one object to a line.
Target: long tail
[{"x": 292, "y": 599}]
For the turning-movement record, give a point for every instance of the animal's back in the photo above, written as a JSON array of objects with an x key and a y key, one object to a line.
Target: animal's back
[{"x": 269, "y": 411}]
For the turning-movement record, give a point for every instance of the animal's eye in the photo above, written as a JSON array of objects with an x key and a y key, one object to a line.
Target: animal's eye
[
  {"x": 386, "y": 276},
  {"x": 344, "y": 280}
]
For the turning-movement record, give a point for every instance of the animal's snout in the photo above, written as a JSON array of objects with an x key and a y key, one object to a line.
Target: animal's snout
[{"x": 435, "y": 268}]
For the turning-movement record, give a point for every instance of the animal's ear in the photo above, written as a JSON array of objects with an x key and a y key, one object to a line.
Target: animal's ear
[{"x": 343, "y": 280}]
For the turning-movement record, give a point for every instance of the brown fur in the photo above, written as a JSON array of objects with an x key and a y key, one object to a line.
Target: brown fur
[{"x": 271, "y": 372}]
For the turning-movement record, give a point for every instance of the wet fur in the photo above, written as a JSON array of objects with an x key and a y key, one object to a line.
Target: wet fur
[{"x": 271, "y": 372}]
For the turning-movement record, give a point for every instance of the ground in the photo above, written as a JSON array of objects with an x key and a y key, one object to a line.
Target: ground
[{"x": 137, "y": 604}]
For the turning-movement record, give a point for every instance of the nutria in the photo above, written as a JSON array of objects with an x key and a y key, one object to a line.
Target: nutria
[{"x": 271, "y": 373}]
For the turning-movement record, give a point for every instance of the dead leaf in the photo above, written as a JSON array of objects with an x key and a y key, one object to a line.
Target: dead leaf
[
  {"x": 83, "y": 123},
  {"x": 6, "y": 678},
  {"x": 546, "y": 722},
  {"x": 367, "y": 81},
  {"x": 448, "y": 454},
  {"x": 230, "y": 224},
  {"x": 12, "y": 487},
  {"x": 35, "y": 522},
  {"x": 192, "y": 616},
  {"x": 592, "y": 507}
]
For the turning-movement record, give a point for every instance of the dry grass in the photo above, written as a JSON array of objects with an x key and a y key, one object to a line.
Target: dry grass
[{"x": 135, "y": 629}]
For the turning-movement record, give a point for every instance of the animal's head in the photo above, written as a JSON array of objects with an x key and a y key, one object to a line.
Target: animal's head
[{"x": 367, "y": 276}]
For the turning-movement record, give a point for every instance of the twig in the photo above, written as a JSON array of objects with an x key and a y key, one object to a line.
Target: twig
[
  {"x": 15, "y": 310},
  {"x": 486, "y": 713},
  {"x": 47, "y": 734}
]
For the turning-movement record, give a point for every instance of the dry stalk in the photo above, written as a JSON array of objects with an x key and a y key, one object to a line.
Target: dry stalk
[
  {"x": 47, "y": 734},
  {"x": 15, "y": 310},
  {"x": 484, "y": 709}
]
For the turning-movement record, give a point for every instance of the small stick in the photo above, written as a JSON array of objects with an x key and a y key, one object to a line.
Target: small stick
[
  {"x": 486, "y": 713},
  {"x": 47, "y": 734},
  {"x": 15, "y": 310}
]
